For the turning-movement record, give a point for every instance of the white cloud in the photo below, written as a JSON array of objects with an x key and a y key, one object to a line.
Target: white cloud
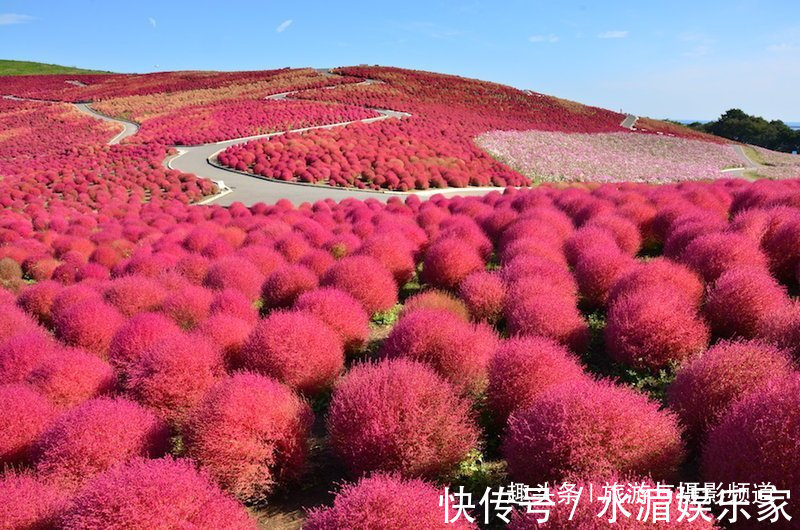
[
  {"x": 613, "y": 34},
  {"x": 7, "y": 19},
  {"x": 152, "y": 21},
  {"x": 544, "y": 38},
  {"x": 283, "y": 25}
]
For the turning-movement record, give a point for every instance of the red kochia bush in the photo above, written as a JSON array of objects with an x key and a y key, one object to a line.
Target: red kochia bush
[
  {"x": 743, "y": 301},
  {"x": 712, "y": 254},
  {"x": 25, "y": 414},
  {"x": 14, "y": 321},
  {"x": 188, "y": 306},
  {"x": 652, "y": 327},
  {"x": 341, "y": 312},
  {"x": 232, "y": 302},
  {"x": 70, "y": 376},
  {"x": 162, "y": 493},
  {"x": 436, "y": 299},
  {"x": 597, "y": 270},
  {"x": 593, "y": 500},
  {"x": 522, "y": 368},
  {"x": 137, "y": 336},
  {"x": 134, "y": 294},
  {"x": 256, "y": 422},
  {"x": 756, "y": 441},
  {"x": 235, "y": 273},
  {"x": 174, "y": 374},
  {"x": 548, "y": 315},
  {"x": 782, "y": 248},
  {"x": 22, "y": 353},
  {"x": 296, "y": 348},
  {"x": 660, "y": 271},
  {"x": 704, "y": 389},
  {"x": 399, "y": 415},
  {"x": 95, "y": 436},
  {"x": 384, "y": 501},
  {"x": 228, "y": 333},
  {"x": 457, "y": 350},
  {"x": 366, "y": 280},
  {"x": 484, "y": 294},
  {"x": 27, "y": 503},
  {"x": 90, "y": 325},
  {"x": 448, "y": 262},
  {"x": 587, "y": 427},
  {"x": 285, "y": 284},
  {"x": 394, "y": 252},
  {"x": 37, "y": 300}
]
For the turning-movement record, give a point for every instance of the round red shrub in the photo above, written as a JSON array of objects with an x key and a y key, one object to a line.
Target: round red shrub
[
  {"x": 743, "y": 301},
  {"x": 25, "y": 414},
  {"x": 484, "y": 294},
  {"x": 285, "y": 284},
  {"x": 22, "y": 353},
  {"x": 37, "y": 300},
  {"x": 89, "y": 325},
  {"x": 256, "y": 422},
  {"x": 596, "y": 496},
  {"x": 27, "y": 503},
  {"x": 318, "y": 260},
  {"x": 366, "y": 280},
  {"x": 597, "y": 270},
  {"x": 71, "y": 295},
  {"x": 781, "y": 246},
  {"x": 174, "y": 373},
  {"x": 547, "y": 275},
  {"x": 188, "y": 306},
  {"x": 522, "y": 368},
  {"x": 228, "y": 333},
  {"x": 705, "y": 388},
  {"x": 14, "y": 321},
  {"x": 385, "y": 501},
  {"x": 234, "y": 303},
  {"x": 235, "y": 273},
  {"x": 69, "y": 377},
  {"x": 624, "y": 231},
  {"x": 448, "y": 262},
  {"x": 586, "y": 238},
  {"x": 393, "y": 252},
  {"x": 399, "y": 415},
  {"x": 436, "y": 299},
  {"x": 457, "y": 350},
  {"x": 134, "y": 294},
  {"x": 651, "y": 328},
  {"x": 138, "y": 335},
  {"x": 660, "y": 272},
  {"x": 548, "y": 315},
  {"x": 712, "y": 254},
  {"x": 587, "y": 427},
  {"x": 756, "y": 441},
  {"x": 161, "y": 493},
  {"x": 296, "y": 348},
  {"x": 340, "y": 312},
  {"x": 94, "y": 436}
]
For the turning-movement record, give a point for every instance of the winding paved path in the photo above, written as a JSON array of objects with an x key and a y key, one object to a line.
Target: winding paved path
[{"x": 629, "y": 122}]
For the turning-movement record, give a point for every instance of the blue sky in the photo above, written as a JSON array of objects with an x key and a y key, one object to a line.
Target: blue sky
[{"x": 677, "y": 59}]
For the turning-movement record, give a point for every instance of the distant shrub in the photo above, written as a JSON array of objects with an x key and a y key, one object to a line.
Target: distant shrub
[
  {"x": 235, "y": 273},
  {"x": 256, "y": 422},
  {"x": 366, "y": 280},
  {"x": 285, "y": 284},
  {"x": 399, "y": 415},
  {"x": 341, "y": 312},
  {"x": 585, "y": 428},
  {"x": 393, "y": 252}
]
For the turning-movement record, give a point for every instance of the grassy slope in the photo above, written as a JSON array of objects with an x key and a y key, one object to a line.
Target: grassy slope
[{"x": 8, "y": 67}]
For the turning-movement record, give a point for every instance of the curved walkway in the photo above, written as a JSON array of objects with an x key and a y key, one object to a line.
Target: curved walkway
[
  {"x": 629, "y": 122},
  {"x": 129, "y": 128}
]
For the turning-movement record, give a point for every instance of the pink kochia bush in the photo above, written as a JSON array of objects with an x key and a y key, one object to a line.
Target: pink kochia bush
[
  {"x": 650, "y": 328},
  {"x": 25, "y": 414},
  {"x": 744, "y": 301},
  {"x": 22, "y": 353},
  {"x": 522, "y": 368},
  {"x": 457, "y": 350},
  {"x": 136, "y": 336},
  {"x": 174, "y": 374},
  {"x": 598, "y": 493},
  {"x": 448, "y": 262},
  {"x": 704, "y": 389},
  {"x": 29, "y": 503},
  {"x": 586, "y": 427},
  {"x": 366, "y": 280},
  {"x": 297, "y": 349},
  {"x": 756, "y": 441},
  {"x": 484, "y": 293},
  {"x": 285, "y": 284},
  {"x": 660, "y": 271},
  {"x": 134, "y": 294},
  {"x": 399, "y": 415},
  {"x": 70, "y": 376},
  {"x": 235, "y": 273},
  {"x": 548, "y": 315},
  {"x": 258, "y": 424},
  {"x": 712, "y": 254},
  {"x": 597, "y": 271},
  {"x": 341, "y": 312},
  {"x": 436, "y": 299},
  {"x": 384, "y": 501},
  {"x": 90, "y": 325},
  {"x": 161, "y": 493},
  {"x": 95, "y": 436}
]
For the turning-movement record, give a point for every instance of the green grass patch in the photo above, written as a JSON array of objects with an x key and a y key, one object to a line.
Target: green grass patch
[{"x": 10, "y": 67}]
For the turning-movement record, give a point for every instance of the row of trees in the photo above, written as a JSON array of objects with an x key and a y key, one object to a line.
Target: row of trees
[{"x": 738, "y": 125}]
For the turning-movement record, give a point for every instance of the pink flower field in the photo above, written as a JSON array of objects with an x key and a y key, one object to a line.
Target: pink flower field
[{"x": 608, "y": 157}]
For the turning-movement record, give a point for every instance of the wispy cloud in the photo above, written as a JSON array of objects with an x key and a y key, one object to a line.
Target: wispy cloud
[
  {"x": 283, "y": 26},
  {"x": 544, "y": 38},
  {"x": 152, "y": 21},
  {"x": 783, "y": 47},
  {"x": 7, "y": 19},
  {"x": 613, "y": 34}
]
